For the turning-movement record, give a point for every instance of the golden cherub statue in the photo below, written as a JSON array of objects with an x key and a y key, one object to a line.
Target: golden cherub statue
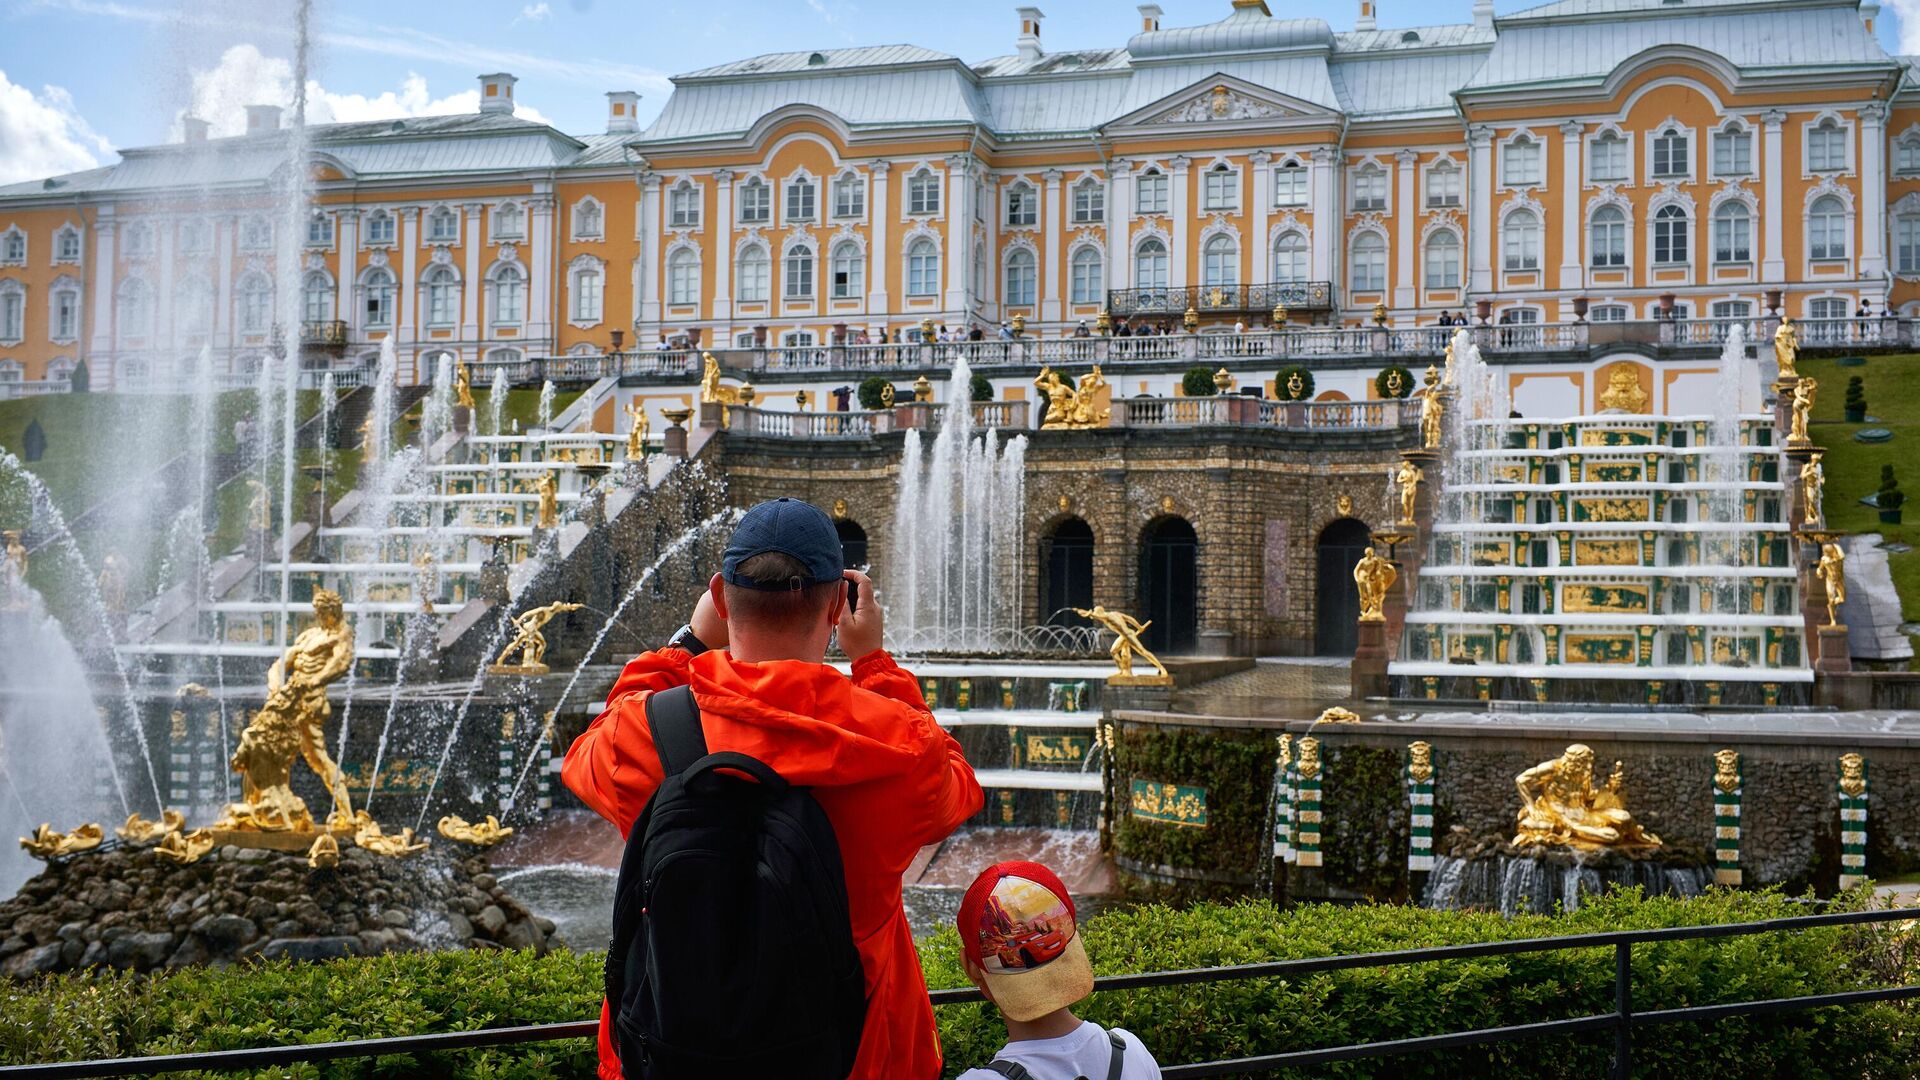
[
  {"x": 1373, "y": 576},
  {"x": 325, "y": 852},
  {"x": 141, "y": 831},
  {"x": 13, "y": 574},
  {"x": 1408, "y": 477},
  {"x": 549, "y": 512},
  {"x": 259, "y": 507},
  {"x": 1802, "y": 410},
  {"x": 462, "y": 385},
  {"x": 1561, "y": 807},
  {"x": 529, "y": 641},
  {"x": 47, "y": 844},
  {"x": 1420, "y": 761},
  {"x": 186, "y": 847},
  {"x": 1813, "y": 484},
  {"x": 112, "y": 584},
  {"x": 481, "y": 833},
  {"x": 426, "y": 580},
  {"x": 370, "y": 837},
  {"x": 1786, "y": 348},
  {"x": 1433, "y": 412},
  {"x": 1126, "y": 631},
  {"x": 293, "y": 723},
  {"x": 638, "y": 427},
  {"x": 1832, "y": 569}
]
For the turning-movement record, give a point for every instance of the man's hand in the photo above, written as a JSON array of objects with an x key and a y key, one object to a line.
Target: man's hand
[
  {"x": 862, "y": 631},
  {"x": 707, "y": 624}
]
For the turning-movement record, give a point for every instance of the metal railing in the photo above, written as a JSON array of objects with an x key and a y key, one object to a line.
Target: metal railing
[{"x": 1622, "y": 1022}]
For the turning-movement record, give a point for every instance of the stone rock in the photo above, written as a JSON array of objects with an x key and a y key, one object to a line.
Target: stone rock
[
  {"x": 71, "y": 952},
  {"x": 521, "y": 935},
  {"x": 397, "y": 917},
  {"x": 545, "y": 925},
  {"x": 35, "y": 961},
  {"x": 95, "y": 955},
  {"x": 227, "y": 930},
  {"x": 252, "y": 855},
  {"x": 192, "y": 951},
  {"x": 12, "y": 945},
  {"x": 316, "y": 948},
  {"x": 140, "y": 951},
  {"x": 38, "y": 927},
  {"x": 285, "y": 928},
  {"x": 457, "y": 924},
  {"x": 376, "y": 941},
  {"x": 490, "y": 920},
  {"x": 73, "y": 931},
  {"x": 484, "y": 882}
]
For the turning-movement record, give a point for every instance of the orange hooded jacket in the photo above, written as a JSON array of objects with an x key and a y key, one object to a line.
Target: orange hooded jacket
[{"x": 889, "y": 779}]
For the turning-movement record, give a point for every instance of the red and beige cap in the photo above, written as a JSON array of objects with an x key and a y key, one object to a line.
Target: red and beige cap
[{"x": 1018, "y": 930}]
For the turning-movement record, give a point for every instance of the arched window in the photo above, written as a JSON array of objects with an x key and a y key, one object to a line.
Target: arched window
[
  {"x": 1827, "y": 147},
  {"x": 443, "y": 296},
  {"x": 1607, "y": 238},
  {"x": 1088, "y": 276},
  {"x": 1732, "y": 233},
  {"x": 319, "y": 229},
  {"x": 196, "y": 236},
  {"x": 1290, "y": 258},
  {"x": 13, "y": 247},
  {"x": 802, "y": 198},
  {"x": 756, "y": 202},
  {"x": 1520, "y": 162},
  {"x": 849, "y": 271},
  {"x": 1369, "y": 188},
  {"x": 1021, "y": 278},
  {"x": 380, "y": 228},
  {"x": 797, "y": 281},
  {"x": 1369, "y": 264},
  {"x": 754, "y": 277},
  {"x": 1023, "y": 204},
  {"x": 509, "y": 286},
  {"x": 63, "y": 317},
  {"x": 1607, "y": 159},
  {"x": 316, "y": 297},
  {"x": 980, "y": 269},
  {"x": 1906, "y": 244},
  {"x": 1520, "y": 241},
  {"x": 683, "y": 278},
  {"x": 1670, "y": 227},
  {"x": 849, "y": 196},
  {"x": 923, "y": 268},
  {"x": 1443, "y": 185},
  {"x": 508, "y": 220},
  {"x": 923, "y": 192},
  {"x": 1670, "y": 153},
  {"x": 1443, "y": 260},
  {"x": 66, "y": 245},
  {"x": 255, "y": 303},
  {"x": 1089, "y": 201},
  {"x": 1290, "y": 185},
  {"x": 1827, "y": 228},
  {"x": 376, "y": 290},
  {"x": 139, "y": 240},
  {"x": 589, "y": 221},
  {"x": 256, "y": 233},
  {"x": 1150, "y": 192},
  {"x": 136, "y": 309},
  {"x": 193, "y": 307},
  {"x": 443, "y": 225},
  {"x": 1220, "y": 261},
  {"x": 1220, "y": 188},
  {"x": 13, "y": 311},
  {"x": 588, "y": 288},
  {"x": 1733, "y": 151},
  {"x": 1150, "y": 264},
  {"x": 683, "y": 206}
]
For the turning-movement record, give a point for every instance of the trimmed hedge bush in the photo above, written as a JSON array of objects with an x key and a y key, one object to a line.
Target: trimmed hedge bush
[
  {"x": 1283, "y": 384},
  {"x": 116, "y": 1014},
  {"x": 871, "y": 390},
  {"x": 1198, "y": 382}
]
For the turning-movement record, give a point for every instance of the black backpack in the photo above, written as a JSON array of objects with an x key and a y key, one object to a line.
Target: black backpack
[{"x": 732, "y": 951}]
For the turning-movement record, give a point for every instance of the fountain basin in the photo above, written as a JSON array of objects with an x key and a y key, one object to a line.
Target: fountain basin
[{"x": 1487, "y": 874}]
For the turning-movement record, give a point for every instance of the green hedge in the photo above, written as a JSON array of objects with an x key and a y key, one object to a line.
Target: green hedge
[
  {"x": 1236, "y": 768},
  {"x": 115, "y": 1014}
]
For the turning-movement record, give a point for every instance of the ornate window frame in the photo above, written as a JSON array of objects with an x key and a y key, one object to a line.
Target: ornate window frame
[
  {"x": 1608, "y": 198},
  {"x": 1849, "y": 131},
  {"x": 1829, "y": 187},
  {"x": 584, "y": 263},
  {"x": 393, "y": 237},
  {"x": 64, "y": 285},
  {"x": 694, "y": 193},
  {"x": 575, "y": 230},
  {"x": 1509, "y": 207},
  {"x": 252, "y": 274},
  {"x": 14, "y": 335},
  {"x": 1653, "y": 134},
  {"x": 921, "y": 231},
  {"x": 847, "y": 177},
  {"x": 923, "y": 172},
  {"x": 451, "y": 213},
  {"x": 1369, "y": 165},
  {"x": 1505, "y": 146},
  {"x": 1075, "y": 249},
  {"x": 783, "y": 213},
  {"x": 69, "y": 229},
  {"x": 1445, "y": 161},
  {"x": 1019, "y": 244},
  {"x": 508, "y": 260},
  {"x": 496, "y": 231},
  {"x": 1034, "y": 192},
  {"x": 1354, "y": 236},
  {"x": 1744, "y": 127}
]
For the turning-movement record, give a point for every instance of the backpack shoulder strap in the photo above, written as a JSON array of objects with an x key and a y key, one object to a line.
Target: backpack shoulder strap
[
  {"x": 673, "y": 718},
  {"x": 1119, "y": 1060},
  {"x": 1012, "y": 1070}
]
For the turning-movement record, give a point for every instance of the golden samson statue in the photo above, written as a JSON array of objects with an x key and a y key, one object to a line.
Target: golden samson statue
[
  {"x": 293, "y": 723},
  {"x": 1561, "y": 807},
  {"x": 1126, "y": 631},
  {"x": 529, "y": 641},
  {"x": 1373, "y": 576}
]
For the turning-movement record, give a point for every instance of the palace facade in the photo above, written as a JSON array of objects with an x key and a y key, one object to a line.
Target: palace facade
[{"x": 1596, "y": 159}]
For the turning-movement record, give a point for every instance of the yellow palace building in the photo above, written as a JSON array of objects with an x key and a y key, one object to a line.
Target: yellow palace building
[{"x": 1586, "y": 160}]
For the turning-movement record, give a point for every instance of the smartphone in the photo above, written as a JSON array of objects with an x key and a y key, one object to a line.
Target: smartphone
[{"x": 853, "y": 596}]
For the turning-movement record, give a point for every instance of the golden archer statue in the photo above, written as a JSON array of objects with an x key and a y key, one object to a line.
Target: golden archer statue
[
  {"x": 638, "y": 427},
  {"x": 1813, "y": 484},
  {"x": 1373, "y": 576},
  {"x": 462, "y": 385},
  {"x": 1126, "y": 631},
  {"x": 293, "y": 723},
  {"x": 1802, "y": 409},
  {"x": 1560, "y": 807},
  {"x": 1832, "y": 569},
  {"x": 1786, "y": 348},
  {"x": 529, "y": 641},
  {"x": 1408, "y": 477}
]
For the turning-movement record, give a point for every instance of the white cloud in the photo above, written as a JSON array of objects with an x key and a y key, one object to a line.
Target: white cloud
[
  {"x": 535, "y": 12},
  {"x": 1908, "y": 14},
  {"x": 246, "y": 76},
  {"x": 43, "y": 134}
]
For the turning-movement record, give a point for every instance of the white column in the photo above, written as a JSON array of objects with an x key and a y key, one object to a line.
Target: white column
[
  {"x": 1773, "y": 266},
  {"x": 1259, "y": 268},
  {"x": 346, "y": 238},
  {"x": 959, "y": 214},
  {"x": 1403, "y": 290},
  {"x": 1571, "y": 276},
  {"x": 408, "y": 299},
  {"x": 652, "y": 283},
  {"x": 470, "y": 302},
  {"x": 540, "y": 313},
  {"x": 1873, "y": 196},
  {"x": 1180, "y": 208},
  {"x": 103, "y": 233},
  {"x": 1480, "y": 223},
  {"x": 225, "y": 328},
  {"x": 879, "y": 261},
  {"x": 1326, "y": 213},
  {"x": 1119, "y": 225},
  {"x": 1055, "y": 225},
  {"x": 723, "y": 242},
  {"x": 163, "y": 299}
]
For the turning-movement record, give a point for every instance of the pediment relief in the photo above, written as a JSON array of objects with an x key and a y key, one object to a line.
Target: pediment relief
[
  {"x": 1221, "y": 102},
  {"x": 1222, "y": 99}
]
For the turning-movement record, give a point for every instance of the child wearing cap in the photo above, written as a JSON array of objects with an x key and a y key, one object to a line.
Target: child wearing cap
[{"x": 1020, "y": 944}]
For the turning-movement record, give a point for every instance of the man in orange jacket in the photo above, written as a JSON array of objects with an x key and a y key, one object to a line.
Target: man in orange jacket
[{"x": 889, "y": 779}]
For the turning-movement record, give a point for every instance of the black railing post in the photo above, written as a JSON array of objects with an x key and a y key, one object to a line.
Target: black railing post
[{"x": 1622, "y": 1010}]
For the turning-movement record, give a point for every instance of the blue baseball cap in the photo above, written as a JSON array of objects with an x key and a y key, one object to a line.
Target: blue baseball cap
[{"x": 793, "y": 528}]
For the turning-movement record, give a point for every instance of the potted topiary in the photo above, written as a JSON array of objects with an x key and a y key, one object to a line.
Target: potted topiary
[
  {"x": 1889, "y": 498},
  {"x": 1197, "y": 382},
  {"x": 981, "y": 387},
  {"x": 873, "y": 393},
  {"x": 1856, "y": 408}
]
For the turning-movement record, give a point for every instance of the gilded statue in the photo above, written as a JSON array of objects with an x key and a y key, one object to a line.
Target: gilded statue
[
  {"x": 1853, "y": 775},
  {"x": 1072, "y": 404},
  {"x": 1447, "y": 377},
  {"x": 1059, "y": 396},
  {"x": 1726, "y": 770},
  {"x": 185, "y": 847},
  {"x": 1561, "y": 807},
  {"x": 1832, "y": 569},
  {"x": 638, "y": 428},
  {"x": 112, "y": 584},
  {"x": 426, "y": 580},
  {"x": 13, "y": 574},
  {"x": 325, "y": 852},
  {"x": 711, "y": 391},
  {"x": 1802, "y": 410},
  {"x": 1420, "y": 761},
  {"x": 1433, "y": 412},
  {"x": 1126, "y": 631},
  {"x": 141, "y": 831},
  {"x": 370, "y": 837},
  {"x": 259, "y": 507},
  {"x": 1373, "y": 576},
  {"x": 1337, "y": 715},
  {"x": 1623, "y": 390},
  {"x": 1086, "y": 400},
  {"x": 47, "y": 844},
  {"x": 529, "y": 641},
  {"x": 549, "y": 513},
  {"x": 1309, "y": 766},
  {"x": 1786, "y": 348},
  {"x": 481, "y": 833},
  {"x": 462, "y": 385},
  {"x": 293, "y": 723},
  {"x": 1408, "y": 477},
  {"x": 1813, "y": 484}
]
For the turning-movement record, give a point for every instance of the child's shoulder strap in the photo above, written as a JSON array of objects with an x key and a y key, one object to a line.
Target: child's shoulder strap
[
  {"x": 1012, "y": 1070},
  {"x": 1119, "y": 1059}
]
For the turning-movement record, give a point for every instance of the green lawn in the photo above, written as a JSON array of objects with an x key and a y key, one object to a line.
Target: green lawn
[{"x": 1892, "y": 385}]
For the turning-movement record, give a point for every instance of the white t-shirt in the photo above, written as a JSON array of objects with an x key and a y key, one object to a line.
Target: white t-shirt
[{"x": 1084, "y": 1051}]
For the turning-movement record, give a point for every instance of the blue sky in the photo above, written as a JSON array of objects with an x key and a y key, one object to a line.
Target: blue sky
[{"x": 80, "y": 77}]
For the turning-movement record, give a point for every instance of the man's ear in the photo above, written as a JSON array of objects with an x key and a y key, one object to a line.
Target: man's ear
[
  {"x": 838, "y": 608},
  {"x": 718, "y": 588}
]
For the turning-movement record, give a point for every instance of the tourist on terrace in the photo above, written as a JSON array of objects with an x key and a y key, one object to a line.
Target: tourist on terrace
[
  {"x": 1020, "y": 944},
  {"x": 865, "y": 748}
]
